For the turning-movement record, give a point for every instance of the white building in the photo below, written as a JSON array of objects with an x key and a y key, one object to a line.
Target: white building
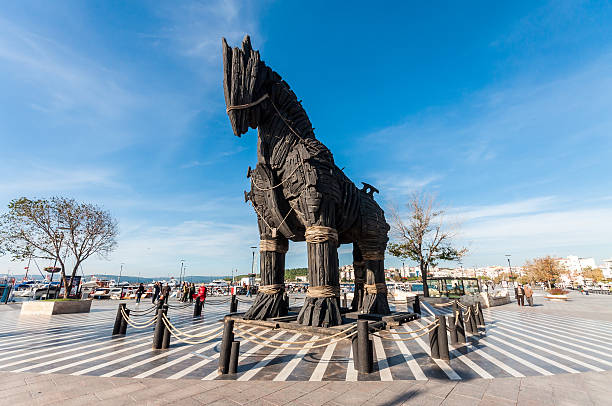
[
  {"x": 575, "y": 265},
  {"x": 606, "y": 268}
]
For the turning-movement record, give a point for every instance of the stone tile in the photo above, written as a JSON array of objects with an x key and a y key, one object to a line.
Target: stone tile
[
  {"x": 210, "y": 397},
  {"x": 78, "y": 400},
  {"x": 318, "y": 397},
  {"x": 470, "y": 390},
  {"x": 391, "y": 397},
  {"x": 459, "y": 400},
  {"x": 439, "y": 388},
  {"x": 223, "y": 402},
  {"x": 353, "y": 398},
  {"x": 424, "y": 400},
  {"x": 22, "y": 396},
  {"x": 507, "y": 389},
  {"x": 119, "y": 391},
  {"x": 534, "y": 395},
  {"x": 284, "y": 396},
  {"x": 495, "y": 401}
]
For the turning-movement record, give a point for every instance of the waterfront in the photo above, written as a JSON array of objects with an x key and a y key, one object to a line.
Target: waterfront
[{"x": 550, "y": 354}]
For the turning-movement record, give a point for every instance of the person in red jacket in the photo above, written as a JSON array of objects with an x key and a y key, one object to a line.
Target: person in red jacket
[{"x": 202, "y": 293}]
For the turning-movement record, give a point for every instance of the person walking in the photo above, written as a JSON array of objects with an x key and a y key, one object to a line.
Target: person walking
[
  {"x": 528, "y": 294},
  {"x": 191, "y": 292},
  {"x": 185, "y": 291},
  {"x": 166, "y": 290},
  {"x": 139, "y": 292},
  {"x": 520, "y": 295},
  {"x": 156, "y": 291}
]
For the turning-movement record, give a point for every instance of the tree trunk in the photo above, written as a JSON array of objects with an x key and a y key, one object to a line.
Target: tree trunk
[
  {"x": 424, "y": 279},
  {"x": 63, "y": 274}
]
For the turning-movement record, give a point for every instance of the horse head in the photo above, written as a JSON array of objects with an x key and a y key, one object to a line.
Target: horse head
[{"x": 246, "y": 82}]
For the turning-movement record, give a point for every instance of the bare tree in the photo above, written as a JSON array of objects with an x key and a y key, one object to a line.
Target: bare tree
[
  {"x": 57, "y": 229},
  {"x": 425, "y": 236}
]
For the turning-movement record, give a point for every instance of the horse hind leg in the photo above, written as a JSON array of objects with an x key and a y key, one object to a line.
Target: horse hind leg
[
  {"x": 360, "y": 274},
  {"x": 375, "y": 298},
  {"x": 271, "y": 300}
]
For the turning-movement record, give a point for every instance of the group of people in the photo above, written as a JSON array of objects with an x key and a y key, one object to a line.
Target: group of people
[
  {"x": 524, "y": 292},
  {"x": 187, "y": 291}
]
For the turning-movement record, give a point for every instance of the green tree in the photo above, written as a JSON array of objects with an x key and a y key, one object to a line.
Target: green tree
[
  {"x": 425, "y": 236},
  {"x": 57, "y": 229}
]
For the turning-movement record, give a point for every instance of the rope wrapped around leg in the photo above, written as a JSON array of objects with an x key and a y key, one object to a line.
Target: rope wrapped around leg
[
  {"x": 273, "y": 246},
  {"x": 272, "y": 289},
  {"x": 323, "y": 291},
  {"x": 320, "y": 234},
  {"x": 377, "y": 288},
  {"x": 373, "y": 256}
]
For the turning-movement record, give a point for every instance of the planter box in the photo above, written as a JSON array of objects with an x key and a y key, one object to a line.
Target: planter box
[
  {"x": 41, "y": 307},
  {"x": 559, "y": 298}
]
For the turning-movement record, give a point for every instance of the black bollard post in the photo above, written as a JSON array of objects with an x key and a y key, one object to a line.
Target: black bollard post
[
  {"x": 226, "y": 346},
  {"x": 118, "y": 319},
  {"x": 473, "y": 322},
  {"x": 481, "y": 320},
  {"x": 124, "y": 324},
  {"x": 433, "y": 344},
  {"x": 233, "y": 359},
  {"x": 355, "y": 345},
  {"x": 233, "y": 305},
  {"x": 416, "y": 305},
  {"x": 452, "y": 326},
  {"x": 443, "y": 339},
  {"x": 166, "y": 338},
  {"x": 364, "y": 349},
  {"x": 460, "y": 327},
  {"x": 158, "y": 333}
]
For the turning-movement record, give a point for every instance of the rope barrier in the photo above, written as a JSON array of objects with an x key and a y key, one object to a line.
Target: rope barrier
[
  {"x": 142, "y": 312},
  {"x": 443, "y": 304},
  {"x": 285, "y": 346},
  {"x": 172, "y": 327},
  {"x": 436, "y": 324},
  {"x": 296, "y": 342},
  {"x": 414, "y": 331},
  {"x": 137, "y": 325},
  {"x": 207, "y": 339}
]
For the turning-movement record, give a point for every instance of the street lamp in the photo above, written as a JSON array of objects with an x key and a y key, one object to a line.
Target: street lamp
[
  {"x": 181, "y": 271},
  {"x": 509, "y": 266},
  {"x": 253, "y": 261},
  {"x": 120, "y": 272}
]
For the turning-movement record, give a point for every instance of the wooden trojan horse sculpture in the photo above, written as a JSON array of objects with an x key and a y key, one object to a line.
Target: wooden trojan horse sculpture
[{"x": 299, "y": 194}]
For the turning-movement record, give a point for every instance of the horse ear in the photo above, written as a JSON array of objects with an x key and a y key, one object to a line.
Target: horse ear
[{"x": 246, "y": 45}]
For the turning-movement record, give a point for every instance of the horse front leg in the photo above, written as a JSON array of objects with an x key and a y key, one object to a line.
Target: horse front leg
[
  {"x": 271, "y": 300},
  {"x": 322, "y": 304}
]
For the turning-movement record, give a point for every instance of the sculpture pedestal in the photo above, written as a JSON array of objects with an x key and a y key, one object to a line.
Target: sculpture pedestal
[
  {"x": 267, "y": 306},
  {"x": 320, "y": 312}
]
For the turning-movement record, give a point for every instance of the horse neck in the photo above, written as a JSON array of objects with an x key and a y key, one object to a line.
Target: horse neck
[{"x": 289, "y": 124}]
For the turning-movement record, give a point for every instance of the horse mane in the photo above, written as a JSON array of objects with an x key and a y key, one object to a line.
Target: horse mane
[{"x": 247, "y": 78}]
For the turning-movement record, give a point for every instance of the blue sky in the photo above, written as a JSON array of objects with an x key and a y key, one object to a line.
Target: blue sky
[{"x": 503, "y": 111}]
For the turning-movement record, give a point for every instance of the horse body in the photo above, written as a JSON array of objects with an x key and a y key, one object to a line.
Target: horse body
[{"x": 299, "y": 194}]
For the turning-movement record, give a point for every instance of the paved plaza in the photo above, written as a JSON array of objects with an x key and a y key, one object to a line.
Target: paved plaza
[{"x": 551, "y": 353}]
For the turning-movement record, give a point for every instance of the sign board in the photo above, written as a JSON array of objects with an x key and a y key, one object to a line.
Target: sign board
[{"x": 74, "y": 288}]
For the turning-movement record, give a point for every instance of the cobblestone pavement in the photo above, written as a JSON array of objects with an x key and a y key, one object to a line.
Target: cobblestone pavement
[{"x": 518, "y": 342}]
